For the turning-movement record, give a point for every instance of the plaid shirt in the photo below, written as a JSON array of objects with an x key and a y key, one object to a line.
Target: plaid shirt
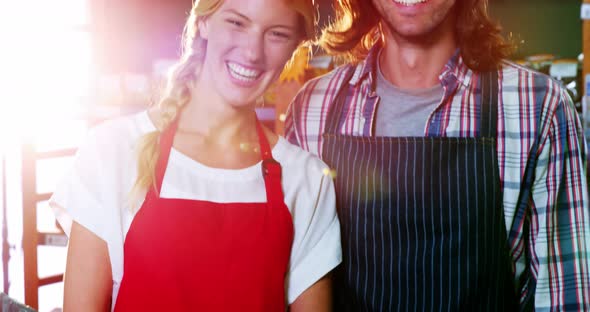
[{"x": 541, "y": 156}]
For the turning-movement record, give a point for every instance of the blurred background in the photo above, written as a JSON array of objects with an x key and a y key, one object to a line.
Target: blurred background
[{"x": 66, "y": 65}]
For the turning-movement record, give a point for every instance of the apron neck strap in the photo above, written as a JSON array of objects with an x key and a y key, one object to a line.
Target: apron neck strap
[
  {"x": 165, "y": 141},
  {"x": 271, "y": 169},
  {"x": 489, "y": 104},
  {"x": 265, "y": 151}
]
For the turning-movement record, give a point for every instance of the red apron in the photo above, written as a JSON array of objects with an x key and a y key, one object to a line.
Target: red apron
[{"x": 191, "y": 255}]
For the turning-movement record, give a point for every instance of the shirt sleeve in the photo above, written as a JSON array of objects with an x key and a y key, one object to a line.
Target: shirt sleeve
[
  {"x": 316, "y": 245},
  {"x": 292, "y": 131},
  {"x": 307, "y": 113},
  {"x": 559, "y": 230},
  {"x": 91, "y": 192}
]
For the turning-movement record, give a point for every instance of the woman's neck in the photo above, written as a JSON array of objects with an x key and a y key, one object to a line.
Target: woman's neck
[
  {"x": 215, "y": 122},
  {"x": 209, "y": 116}
]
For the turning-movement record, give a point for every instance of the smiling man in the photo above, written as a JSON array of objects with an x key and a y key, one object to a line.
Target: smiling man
[{"x": 460, "y": 177}]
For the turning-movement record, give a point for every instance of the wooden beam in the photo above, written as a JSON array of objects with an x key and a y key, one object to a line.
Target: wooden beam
[
  {"x": 56, "y": 153},
  {"x": 30, "y": 237},
  {"x": 51, "y": 279}
]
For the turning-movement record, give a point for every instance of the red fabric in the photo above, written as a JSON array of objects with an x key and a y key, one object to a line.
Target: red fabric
[{"x": 187, "y": 255}]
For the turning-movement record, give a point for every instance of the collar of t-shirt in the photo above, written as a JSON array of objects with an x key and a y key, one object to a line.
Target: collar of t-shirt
[{"x": 404, "y": 112}]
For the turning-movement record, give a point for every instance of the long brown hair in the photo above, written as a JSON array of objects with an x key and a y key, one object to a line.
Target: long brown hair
[{"x": 355, "y": 30}]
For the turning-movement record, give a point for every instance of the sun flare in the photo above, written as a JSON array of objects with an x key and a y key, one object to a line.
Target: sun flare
[{"x": 47, "y": 67}]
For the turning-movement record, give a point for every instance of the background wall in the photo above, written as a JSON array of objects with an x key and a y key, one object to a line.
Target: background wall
[
  {"x": 130, "y": 34},
  {"x": 546, "y": 26}
]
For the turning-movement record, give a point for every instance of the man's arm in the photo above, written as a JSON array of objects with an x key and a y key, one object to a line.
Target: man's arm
[
  {"x": 306, "y": 115},
  {"x": 559, "y": 226},
  {"x": 291, "y": 120}
]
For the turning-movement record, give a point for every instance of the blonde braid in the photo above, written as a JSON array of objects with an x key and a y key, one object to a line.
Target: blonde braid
[{"x": 148, "y": 148}]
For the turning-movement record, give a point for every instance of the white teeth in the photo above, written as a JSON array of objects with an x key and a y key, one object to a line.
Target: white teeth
[
  {"x": 242, "y": 73},
  {"x": 409, "y": 2}
]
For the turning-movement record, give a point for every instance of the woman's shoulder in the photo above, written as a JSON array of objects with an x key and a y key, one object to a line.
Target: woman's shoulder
[
  {"x": 113, "y": 142},
  {"x": 119, "y": 132},
  {"x": 295, "y": 159}
]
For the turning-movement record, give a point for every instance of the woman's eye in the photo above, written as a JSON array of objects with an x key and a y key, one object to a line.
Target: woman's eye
[
  {"x": 234, "y": 22},
  {"x": 280, "y": 35}
]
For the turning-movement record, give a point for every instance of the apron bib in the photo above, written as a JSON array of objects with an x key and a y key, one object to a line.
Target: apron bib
[
  {"x": 422, "y": 222},
  {"x": 191, "y": 255}
]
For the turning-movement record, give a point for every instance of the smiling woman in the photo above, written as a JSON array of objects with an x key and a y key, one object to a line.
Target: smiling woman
[
  {"x": 194, "y": 205},
  {"x": 247, "y": 48}
]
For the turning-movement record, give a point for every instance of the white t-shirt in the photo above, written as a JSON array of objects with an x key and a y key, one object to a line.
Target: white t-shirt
[{"x": 95, "y": 193}]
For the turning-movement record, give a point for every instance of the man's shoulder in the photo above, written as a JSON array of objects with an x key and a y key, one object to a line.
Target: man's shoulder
[
  {"x": 539, "y": 93},
  {"x": 526, "y": 78},
  {"x": 325, "y": 85}
]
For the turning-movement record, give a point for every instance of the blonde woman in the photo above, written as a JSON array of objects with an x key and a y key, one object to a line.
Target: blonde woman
[{"x": 193, "y": 205}]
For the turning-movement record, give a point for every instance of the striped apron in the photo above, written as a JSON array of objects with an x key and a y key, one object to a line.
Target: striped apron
[{"x": 423, "y": 227}]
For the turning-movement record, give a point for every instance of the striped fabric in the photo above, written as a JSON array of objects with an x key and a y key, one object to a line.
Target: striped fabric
[
  {"x": 541, "y": 156},
  {"x": 422, "y": 220},
  {"x": 439, "y": 253}
]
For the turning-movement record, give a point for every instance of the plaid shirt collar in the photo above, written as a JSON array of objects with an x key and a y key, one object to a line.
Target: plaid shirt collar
[{"x": 455, "y": 70}]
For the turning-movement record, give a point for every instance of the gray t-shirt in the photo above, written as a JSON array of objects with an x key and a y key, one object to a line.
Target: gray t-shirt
[{"x": 401, "y": 112}]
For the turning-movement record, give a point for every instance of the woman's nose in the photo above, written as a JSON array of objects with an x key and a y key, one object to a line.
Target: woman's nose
[{"x": 254, "y": 49}]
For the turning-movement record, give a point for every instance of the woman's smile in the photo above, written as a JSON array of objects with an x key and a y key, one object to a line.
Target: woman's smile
[{"x": 243, "y": 75}]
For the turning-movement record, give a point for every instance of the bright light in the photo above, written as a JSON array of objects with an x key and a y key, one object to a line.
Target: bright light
[
  {"x": 45, "y": 77},
  {"x": 46, "y": 65}
]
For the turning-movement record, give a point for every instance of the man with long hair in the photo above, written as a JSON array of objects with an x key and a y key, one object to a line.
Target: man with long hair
[{"x": 460, "y": 177}]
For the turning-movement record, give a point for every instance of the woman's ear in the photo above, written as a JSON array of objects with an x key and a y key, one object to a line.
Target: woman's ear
[{"x": 203, "y": 27}]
